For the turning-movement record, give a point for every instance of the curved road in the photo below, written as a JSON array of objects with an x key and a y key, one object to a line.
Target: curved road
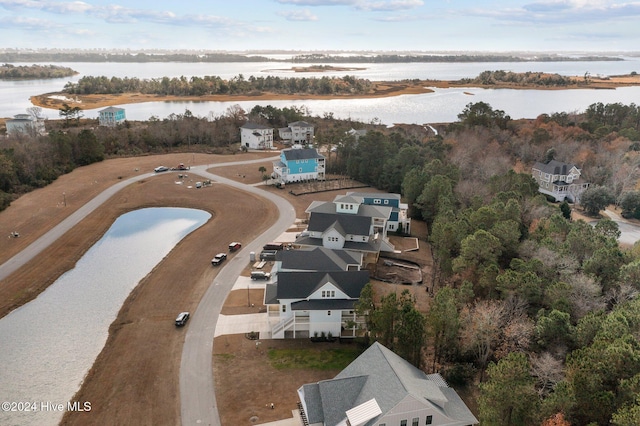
[{"x": 197, "y": 396}]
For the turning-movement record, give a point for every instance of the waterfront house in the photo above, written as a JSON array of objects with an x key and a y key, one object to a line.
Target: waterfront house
[
  {"x": 111, "y": 116},
  {"x": 559, "y": 180},
  {"x": 381, "y": 388},
  {"x": 298, "y": 164},
  {"x": 256, "y": 136},
  {"x": 298, "y": 132},
  {"x": 306, "y": 304},
  {"x": 25, "y": 124}
]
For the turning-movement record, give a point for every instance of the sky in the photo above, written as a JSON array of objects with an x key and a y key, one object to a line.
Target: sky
[{"x": 320, "y": 25}]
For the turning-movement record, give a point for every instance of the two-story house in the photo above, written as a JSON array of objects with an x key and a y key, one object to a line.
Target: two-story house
[
  {"x": 111, "y": 116},
  {"x": 298, "y": 164},
  {"x": 348, "y": 224},
  {"x": 559, "y": 180},
  {"x": 307, "y": 304},
  {"x": 256, "y": 136},
  {"x": 25, "y": 124},
  {"x": 399, "y": 220},
  {"x": 298, "y": 132},
  {"x": 381, "y": 388}
]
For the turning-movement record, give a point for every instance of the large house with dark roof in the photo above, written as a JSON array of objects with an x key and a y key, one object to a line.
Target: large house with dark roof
[
  {"x": 298, "y": 164},
  {"x": 348, "y": 224},
  {"x": 559, "y": 180},
  {"x": 314, "y": 303},
  {"x": 381, "y": 388},
  {"x": 399, "y": 219},
  {"x": 256, "y": 136}
]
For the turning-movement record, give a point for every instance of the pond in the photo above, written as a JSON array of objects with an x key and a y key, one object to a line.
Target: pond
[{"x": 48, "y": 345}]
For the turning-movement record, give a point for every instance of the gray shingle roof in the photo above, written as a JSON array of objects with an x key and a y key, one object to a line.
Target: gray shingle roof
[
  {"x": 251, "y": 125},
  {"x": 318, "y": 259},
  {"x": 554, "y": 167},
  {"x": 299, "y": 285},
  {"x": 301, "y": 154},
  {"x": 380, "y": 374},
  {"x": 351, "y": 224}
]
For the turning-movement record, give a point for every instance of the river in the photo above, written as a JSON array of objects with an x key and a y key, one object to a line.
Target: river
[
  {"x": 49, "y": 344},
  {"x": 443, "y": 105}
]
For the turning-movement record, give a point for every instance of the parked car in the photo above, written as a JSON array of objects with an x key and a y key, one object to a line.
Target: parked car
[
  {"x": 182, "y": 319},
  {"x": 161, "y": 169},
  {"x": 260, "y": 275},
  {"x": 218, "y": 259},
  {"x": 234, "y": 246},
  {"x": 198, "y": 184}
]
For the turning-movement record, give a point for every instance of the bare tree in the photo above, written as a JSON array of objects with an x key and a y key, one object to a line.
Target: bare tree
[{"x": 547, "y": 370}]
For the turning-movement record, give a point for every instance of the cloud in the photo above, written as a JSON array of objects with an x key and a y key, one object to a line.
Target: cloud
[
  {"x": 366, "y": 5},
  {"x": 119, "y": 14},
  {"x": 298, "y": 15},
  {"x": 388, "y": 6},
  {"x": 563, "y": 11}
]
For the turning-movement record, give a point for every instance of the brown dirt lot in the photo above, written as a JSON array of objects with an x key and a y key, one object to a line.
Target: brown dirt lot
[{"x": 135, "y": 378}]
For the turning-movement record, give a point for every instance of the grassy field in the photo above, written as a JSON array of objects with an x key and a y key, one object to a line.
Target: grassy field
[{"x": 316, "y": 359}]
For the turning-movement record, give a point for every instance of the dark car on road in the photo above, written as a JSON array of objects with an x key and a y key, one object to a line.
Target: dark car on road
[
  {"x": 182, "y": 319},
  {"x": 218, "y": 258}
]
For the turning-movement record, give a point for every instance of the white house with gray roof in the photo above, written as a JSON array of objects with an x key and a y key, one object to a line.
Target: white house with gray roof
[
  {"x": 348, "y": 224},
  {"x": 256, "y": 136},
  {"x": 298, "y": 132},
  {"x": 381, "y": 388},
  {"x": 314, "y": 303},
  {"x": 559, "y": 180}
]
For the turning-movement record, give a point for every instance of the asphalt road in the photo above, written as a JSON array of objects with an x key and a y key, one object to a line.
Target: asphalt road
[
  {"x": 197, "y": 388},
  {"x": 197, "y": 395}
]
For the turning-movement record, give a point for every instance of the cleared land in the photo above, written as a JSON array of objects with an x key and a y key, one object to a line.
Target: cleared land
[{"x": 135, "y": 378}]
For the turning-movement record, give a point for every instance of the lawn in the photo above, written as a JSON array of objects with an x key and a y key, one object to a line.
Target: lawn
[{"x": 312, "y": 358}]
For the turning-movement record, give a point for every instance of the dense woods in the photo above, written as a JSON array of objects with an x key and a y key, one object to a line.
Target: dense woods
[
  {"x": 536, "y": 313},
  {"x": 213, "y": 85},
  {"x": 13, "y": 72},
  {"x": 527, "y": 79}
]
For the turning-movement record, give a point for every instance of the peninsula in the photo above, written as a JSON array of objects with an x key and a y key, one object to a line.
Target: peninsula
[{"x": 375, "y": 89}]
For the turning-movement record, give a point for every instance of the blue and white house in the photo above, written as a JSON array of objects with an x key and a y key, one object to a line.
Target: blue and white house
[
  {"x": 256, "y": 136},
  {"x": 111, "y": 116},
  {"x": 559, "y": 180},
  {"x": 298, "y": 164}
]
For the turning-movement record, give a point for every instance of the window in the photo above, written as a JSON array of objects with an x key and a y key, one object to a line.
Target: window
[
  {"x": 414, "y": 421},
  {"x": 284, "y": 308},
  {"x": 377, "y": 201},
  {"x": 403, "y": 423},
  {"x": 429, "y": 420},
  {"x": 300, "y": 170},
  {"x": 328, "y": 313},
  {"x": 386, "y": 201}
]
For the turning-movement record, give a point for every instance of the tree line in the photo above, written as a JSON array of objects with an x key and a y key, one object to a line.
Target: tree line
[
  {"x": 529, "y": 78},
  {"x": 11, "y": 55},
  {"x": 13, "y": 72},
  {"x": 214, "y": 85},
  {"x": 544, "y": 310}
]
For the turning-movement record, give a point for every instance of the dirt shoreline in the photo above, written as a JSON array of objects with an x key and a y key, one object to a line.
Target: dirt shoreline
[{"x": 381, "y": 89}]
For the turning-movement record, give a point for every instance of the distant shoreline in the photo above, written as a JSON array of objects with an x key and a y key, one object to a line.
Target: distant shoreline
[{"x": 381, "y": 89}]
